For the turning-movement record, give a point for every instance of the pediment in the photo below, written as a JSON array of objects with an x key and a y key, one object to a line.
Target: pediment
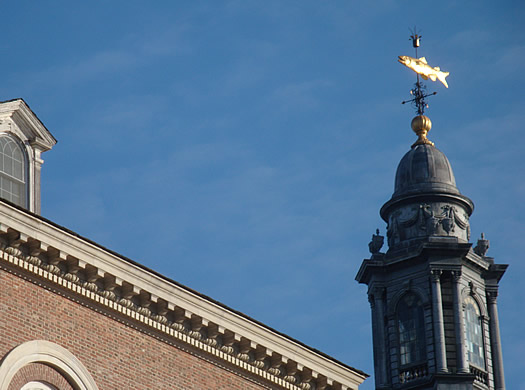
[{"x": 18, "y": 118}]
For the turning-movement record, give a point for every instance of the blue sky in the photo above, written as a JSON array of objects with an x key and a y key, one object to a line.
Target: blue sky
[{"x": 244, "y": 148}]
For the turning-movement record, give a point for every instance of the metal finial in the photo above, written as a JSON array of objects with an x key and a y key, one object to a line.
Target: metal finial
[{"x": 415, "y": 38}]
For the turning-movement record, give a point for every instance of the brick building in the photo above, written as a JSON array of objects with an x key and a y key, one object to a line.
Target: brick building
[{"x": 75, "y": 315}]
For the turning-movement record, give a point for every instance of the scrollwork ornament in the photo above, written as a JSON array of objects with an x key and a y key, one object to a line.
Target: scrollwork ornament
[
  {"x": 72, "y": 277},
  {"x": 212, "y": 336},
  {"x": 228, "y": 349},
  {"x": 290, "y": 374},
  {"x": 276, "y": 368},
  {"x": 244, "y": 356},
  {"x": 307, "y": 385},
  {"x": 244, "y": 352},
  {"x": 160, "y": 317},
  {"x": 227, "y": 344},
  {"x": 211, "y": 341},
  {"x": 260, "y": 362},
  {"x": 14, "y": 250},
  {"x": 90, "y": 285},
  {"x": 127, "y": 302},
  {"x": 35, "y": 260},
  {"x": 291, "y": 378},
  {"x": 144, "y": 310},
  {"x": 177, "y": 325},
  {"x": 54, "y": 269},
  {"x": 109, "y": 292},
  {"x": 197, "y": 335}
]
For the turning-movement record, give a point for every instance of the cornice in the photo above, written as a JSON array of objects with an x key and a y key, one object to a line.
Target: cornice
[{"x": 45, "y": 250}]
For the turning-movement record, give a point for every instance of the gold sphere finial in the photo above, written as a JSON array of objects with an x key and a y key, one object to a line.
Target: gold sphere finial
[{"x": 421, "y": 125}]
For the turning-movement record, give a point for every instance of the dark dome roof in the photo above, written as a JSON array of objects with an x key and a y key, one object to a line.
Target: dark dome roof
[{"x": 424, "y": 169}]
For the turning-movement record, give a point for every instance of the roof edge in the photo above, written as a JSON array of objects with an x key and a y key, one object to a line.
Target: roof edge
[{"x": 71, "y": 245}]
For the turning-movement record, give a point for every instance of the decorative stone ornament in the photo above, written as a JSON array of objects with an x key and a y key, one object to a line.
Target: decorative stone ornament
[
  {"x": 377, "y": 243},
  {"x": 482, "y": 246}
]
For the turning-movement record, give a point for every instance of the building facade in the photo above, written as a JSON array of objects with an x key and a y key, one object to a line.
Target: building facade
[
  {"x": 432, "y": 295},
  {"x": 75, "y": 315}
]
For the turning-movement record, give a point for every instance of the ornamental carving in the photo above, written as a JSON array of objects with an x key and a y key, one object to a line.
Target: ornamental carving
[
  {"x": 424, "y": 220},
  {"x": 482, "y": 246},
  {"x": 376, "y": 244}
]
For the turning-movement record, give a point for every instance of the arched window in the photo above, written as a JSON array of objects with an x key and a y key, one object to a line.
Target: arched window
[
  {"x": 474, "y": 333},
  {"x": 12, "y": 171},
  {"x": 411, "y": 327},
  {"x": 17, "y": 365}
]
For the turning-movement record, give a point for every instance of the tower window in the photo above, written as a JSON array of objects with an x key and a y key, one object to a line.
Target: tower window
[
  {"x": 12, "y": 171},
  {"x": 411, "y": 327},
  {"x": 474, "y": 333}
]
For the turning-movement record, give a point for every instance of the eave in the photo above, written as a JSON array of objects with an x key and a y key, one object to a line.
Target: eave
[{"x": 253, "y": 346}]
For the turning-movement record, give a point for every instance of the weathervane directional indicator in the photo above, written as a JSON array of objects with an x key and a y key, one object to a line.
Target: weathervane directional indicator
[
  {"x": 421, "y": 124},
  {"x": 421, "y": 67}
]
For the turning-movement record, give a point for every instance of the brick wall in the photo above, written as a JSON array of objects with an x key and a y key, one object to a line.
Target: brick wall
[{"x": 116, "y": 355}]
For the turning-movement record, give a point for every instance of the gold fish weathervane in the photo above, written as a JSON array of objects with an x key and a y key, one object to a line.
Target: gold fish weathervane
[{"x": 421, "y": 67}]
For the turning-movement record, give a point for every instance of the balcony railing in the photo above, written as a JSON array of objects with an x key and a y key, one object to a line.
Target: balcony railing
[
  {"x": 412, "y": 373},
  {"x": 481, "y": 376}
]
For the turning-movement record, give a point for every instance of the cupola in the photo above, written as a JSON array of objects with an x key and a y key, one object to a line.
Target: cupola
[{"x": 426, "y": 202}]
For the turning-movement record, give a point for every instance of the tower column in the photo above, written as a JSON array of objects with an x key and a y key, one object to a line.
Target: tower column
[
  {"x": 378, "y": 329},
  {"x": 459, "y": 326},
  {"x": 439, "y": 330},
  {"x": 497, "y": 356}
]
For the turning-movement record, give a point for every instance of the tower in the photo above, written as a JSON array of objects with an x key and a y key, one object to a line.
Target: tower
[{"x": 432, "y": 295}]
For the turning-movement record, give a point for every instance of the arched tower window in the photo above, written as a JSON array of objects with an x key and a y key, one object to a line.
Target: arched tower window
[
  {"x": 474, "y": 333},
  {"x": 12, "y": 171},
  {"x": 411, "y": 327}
]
